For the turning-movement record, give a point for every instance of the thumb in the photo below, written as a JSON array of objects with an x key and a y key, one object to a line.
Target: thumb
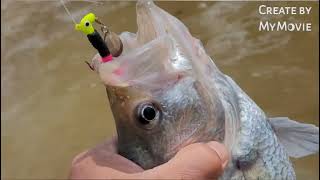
[{"x": 195, "y": 161}]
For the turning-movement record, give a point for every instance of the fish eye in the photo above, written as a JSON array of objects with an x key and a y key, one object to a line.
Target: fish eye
[
  {"x": 147, "y": 115},
  {"x": 87, "y": 23}
]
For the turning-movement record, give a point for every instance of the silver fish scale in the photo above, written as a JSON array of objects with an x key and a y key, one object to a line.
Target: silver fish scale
[{"x": 257, "y": 146}]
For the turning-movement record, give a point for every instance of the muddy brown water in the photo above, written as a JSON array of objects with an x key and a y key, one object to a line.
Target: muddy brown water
[{"x": 54, "y": 107}]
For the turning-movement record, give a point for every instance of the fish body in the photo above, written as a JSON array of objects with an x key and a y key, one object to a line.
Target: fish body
[{"x": 171, "y": 94}]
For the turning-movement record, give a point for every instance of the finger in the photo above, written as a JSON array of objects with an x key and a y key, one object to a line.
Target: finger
[
  {"x": 221, "y": 151},
  {"x": 102, "y": 161},
  {"x": 196, "y": 161},
  {"x": 114, "y": 167},
  {"x": 201, "y": 161},
  {"x": 106, "y": 148},
  {"x": 95, "y": 172}
]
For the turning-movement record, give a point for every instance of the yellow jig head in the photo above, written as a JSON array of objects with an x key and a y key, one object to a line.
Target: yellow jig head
[{"x": 85, "y": 24}]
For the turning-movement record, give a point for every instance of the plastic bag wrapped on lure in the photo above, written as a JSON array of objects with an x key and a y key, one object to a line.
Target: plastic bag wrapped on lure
[{"x": 165, "y": 92}]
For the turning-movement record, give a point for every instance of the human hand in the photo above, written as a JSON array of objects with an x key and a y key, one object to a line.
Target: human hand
[{"x": 195, "y": 161}]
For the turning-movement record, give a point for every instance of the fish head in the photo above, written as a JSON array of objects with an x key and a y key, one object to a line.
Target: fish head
[
  {"x": 158, "y": 90},
  {"x": 153, "y": 124}
]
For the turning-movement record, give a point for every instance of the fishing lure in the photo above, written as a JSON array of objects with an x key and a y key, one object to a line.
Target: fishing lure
[
  {"x": 94, "y": 37},
  {"x": 113, "y": 41},
  {"x": 108, "y": 47}
]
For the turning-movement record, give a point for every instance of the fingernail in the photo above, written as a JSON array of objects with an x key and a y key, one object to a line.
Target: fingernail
[{"x": 221, "y": 150}]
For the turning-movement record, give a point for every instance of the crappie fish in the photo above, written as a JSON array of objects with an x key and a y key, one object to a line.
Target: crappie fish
[{"x": 165, "y": 92}]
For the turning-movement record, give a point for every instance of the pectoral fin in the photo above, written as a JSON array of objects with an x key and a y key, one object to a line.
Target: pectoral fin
[{"x": 297, "y": 138}]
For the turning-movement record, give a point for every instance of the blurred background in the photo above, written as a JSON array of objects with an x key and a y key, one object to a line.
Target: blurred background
[{"x": 54, "y": 107}]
